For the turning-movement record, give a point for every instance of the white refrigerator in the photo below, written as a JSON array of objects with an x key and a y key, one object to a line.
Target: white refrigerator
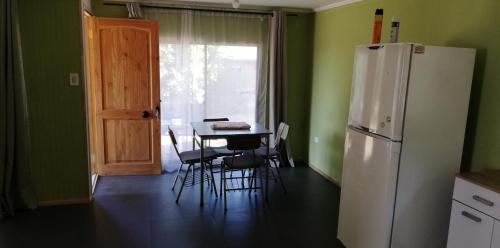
[{"x": 403, "y": 147}]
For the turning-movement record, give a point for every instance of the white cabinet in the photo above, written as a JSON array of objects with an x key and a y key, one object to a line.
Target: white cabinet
[
  {"x": 477, "y": 197},
  {"x": 475, "y": 213},
  {"x": 469, "y": 228},
  {"x": 495, "y": 241}
]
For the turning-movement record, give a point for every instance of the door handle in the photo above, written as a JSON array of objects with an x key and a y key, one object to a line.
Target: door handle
[
  {"x": 145, "y": 114},
  {"x": 483, "y": 201},
  {"x": 471, "y": 216}
]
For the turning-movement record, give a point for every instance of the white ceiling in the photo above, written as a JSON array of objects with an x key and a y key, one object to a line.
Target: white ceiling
[{"x": 307, "y": 4}]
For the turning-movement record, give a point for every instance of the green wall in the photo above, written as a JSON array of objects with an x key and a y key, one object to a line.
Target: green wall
[
  {"x": 299, "y": 66},
  {"x": 105, "y": 10},
  {"x": 461, "y": 23},
  {"x": 51, "y": 43}
]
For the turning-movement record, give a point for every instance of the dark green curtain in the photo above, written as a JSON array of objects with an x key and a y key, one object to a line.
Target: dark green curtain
[
  {"x": 279, "y": 81},
  {"x": 16, "y": 186}
]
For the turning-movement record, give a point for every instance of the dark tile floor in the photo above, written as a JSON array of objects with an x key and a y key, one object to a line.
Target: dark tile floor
[{"x": 140, "y": 211}]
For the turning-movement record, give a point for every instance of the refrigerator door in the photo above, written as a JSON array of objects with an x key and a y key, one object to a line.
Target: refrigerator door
[
  {"x": 368, "y": 190},
  {"x": 378, "y": 93}
]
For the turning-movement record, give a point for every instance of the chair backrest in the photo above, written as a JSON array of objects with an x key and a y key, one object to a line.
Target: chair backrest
[
  {"x": 174, "y": 141},
  {"x": 282, "y": 136},
  {"x": 277, "y": 136},
  {"x": 243, "y": 142},
  {"x": 215, "y": 119},
  {"x": 284, "y": 132}
]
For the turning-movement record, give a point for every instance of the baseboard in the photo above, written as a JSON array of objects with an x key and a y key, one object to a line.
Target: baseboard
[
  {"x": 323, "y": 174},
  {"x": 71, "y": 201}
]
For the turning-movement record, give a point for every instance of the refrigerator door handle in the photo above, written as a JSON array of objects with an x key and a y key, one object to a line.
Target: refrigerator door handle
[
  {"x": 365, "y": 129},
  {"x": 368, "y": 132}
]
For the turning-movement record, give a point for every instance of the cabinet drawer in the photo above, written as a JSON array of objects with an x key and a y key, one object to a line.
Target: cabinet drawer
[
  {"x": 495, "y": 241},
  {"x": 477, "y": 197},
  {"x": 469, "y": 228}
]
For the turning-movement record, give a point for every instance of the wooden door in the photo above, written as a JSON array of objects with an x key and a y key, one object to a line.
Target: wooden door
[
  {"x": 89, "y": 69},
  {"x": 127, "y": 96}
]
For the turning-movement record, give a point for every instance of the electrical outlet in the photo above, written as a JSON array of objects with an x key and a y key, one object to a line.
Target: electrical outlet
[
  {"x": 74, "y": 79},
  {"x": 316, "y": 140}
]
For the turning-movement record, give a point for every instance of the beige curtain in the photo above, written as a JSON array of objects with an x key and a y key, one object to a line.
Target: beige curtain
[{"x": 213, "y": 64}]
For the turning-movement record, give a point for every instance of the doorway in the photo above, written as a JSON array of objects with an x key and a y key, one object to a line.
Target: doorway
[{"x": 123, "y": 98}]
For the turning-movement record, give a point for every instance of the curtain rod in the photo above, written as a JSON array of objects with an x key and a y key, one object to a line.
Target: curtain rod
[{"x": 200, "y": 8}]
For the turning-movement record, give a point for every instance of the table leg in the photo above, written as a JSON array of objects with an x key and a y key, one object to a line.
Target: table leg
[
  {"x": 194, "y": 139},
  {"x": 202, "y": 163},
  {"x": 267, "y": 168}
]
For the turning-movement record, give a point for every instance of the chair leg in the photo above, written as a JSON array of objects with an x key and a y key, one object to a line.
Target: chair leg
[
  {"x": 213, "y": 180},
  {"x": 243, "y": 179},
  {"x": 251, "y": 183},
  {"x": 279, "y": 176},
  {"x": 231, "y": 178},
  {"x": 257, "y": 172},
  {"x": 209, "y": 181},
  {"x": 183, "y": 182},
  {"x": 177, "y": 175},
  {"x": 221, "y": 172},
  {"x": 192, "y": 171},
  {"x": 225, "y": 190},
  {"x": 250, "y": 172}
]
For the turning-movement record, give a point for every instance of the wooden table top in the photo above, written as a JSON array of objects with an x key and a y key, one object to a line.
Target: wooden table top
[{"x": 489, "y": 179}]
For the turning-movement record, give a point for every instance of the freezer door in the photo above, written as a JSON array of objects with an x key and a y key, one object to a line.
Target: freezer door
[
  {"x": 380, "y": 77},
  {"x": 368, "y": 190}
]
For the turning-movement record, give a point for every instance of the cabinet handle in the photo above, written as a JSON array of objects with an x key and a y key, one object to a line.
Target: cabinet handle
[
  {"x": 483, "y": 201},
  {"x": 471, "y": 216}
]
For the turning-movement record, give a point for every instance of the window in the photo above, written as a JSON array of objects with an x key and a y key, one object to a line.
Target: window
[{"x": 205, "y": 81}]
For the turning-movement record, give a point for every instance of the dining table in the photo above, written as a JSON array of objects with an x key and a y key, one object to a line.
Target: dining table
[{"x": 205, "y": 131}]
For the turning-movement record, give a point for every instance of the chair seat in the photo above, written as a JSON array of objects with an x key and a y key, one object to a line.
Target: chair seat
[
  {"x": 262, "y": 151},
  {"x": 243, "y": 162},
  {"x": 190, "y": 157},
  {"x": 222, "y": 151}
]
